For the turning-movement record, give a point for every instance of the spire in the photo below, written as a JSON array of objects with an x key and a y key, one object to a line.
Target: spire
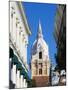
[{"x": 40, "y": 30}]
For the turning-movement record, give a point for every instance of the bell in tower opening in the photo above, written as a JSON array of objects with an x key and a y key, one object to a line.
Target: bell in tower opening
[{"x": 40, "y": 62}]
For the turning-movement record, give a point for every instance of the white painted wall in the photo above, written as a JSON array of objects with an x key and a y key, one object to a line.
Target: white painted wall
[
  {"x": 14, "y": 28},
  {"x": 20, "y": 40}
]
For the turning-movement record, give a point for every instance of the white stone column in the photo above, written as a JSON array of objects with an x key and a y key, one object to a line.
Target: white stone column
[
  {"x": 25, "y": 83},
  {"x": 21, "y": 82},
  {"x": 13, "y": 74},
  {"x": 18, "y": 79}
]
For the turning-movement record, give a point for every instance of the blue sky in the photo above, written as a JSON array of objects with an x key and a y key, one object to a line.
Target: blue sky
[{"x": 46, "y": 14}]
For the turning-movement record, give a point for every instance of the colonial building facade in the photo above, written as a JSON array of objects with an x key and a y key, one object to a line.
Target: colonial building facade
[
  {"x": 18, "y": 42},
  {"x": 40, "y": 62}
]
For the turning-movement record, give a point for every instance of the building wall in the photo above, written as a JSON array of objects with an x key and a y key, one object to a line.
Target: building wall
[
  {"x": 18, "y": 42},
  {"x": 40, "y": 80},
  {"x": 60, "y": 36},
  {"x": 45, "y": 65},
  {"x": 18, "y": 31}
]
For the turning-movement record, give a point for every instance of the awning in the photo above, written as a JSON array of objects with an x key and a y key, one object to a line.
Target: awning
[
  {"x": 15, "y": 60},
  {"x": 24, "y": 73},
  {"x": 19, "y": 66}
]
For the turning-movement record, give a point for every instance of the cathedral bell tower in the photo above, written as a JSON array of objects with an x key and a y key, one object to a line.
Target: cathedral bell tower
[{"x": 40, "y": 62}]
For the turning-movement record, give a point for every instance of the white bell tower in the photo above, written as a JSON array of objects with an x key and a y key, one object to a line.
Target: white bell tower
[{"x": 40, "y": 63}]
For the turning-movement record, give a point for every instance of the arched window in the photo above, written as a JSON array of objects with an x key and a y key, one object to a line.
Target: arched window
[{"x": 40, "y": 55}]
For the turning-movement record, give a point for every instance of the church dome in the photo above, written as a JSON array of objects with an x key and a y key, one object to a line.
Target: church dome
[{"x": 39, "y": 43}]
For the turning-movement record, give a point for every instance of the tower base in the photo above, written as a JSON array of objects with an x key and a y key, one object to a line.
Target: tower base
[{"x": 40, "y": 81}]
